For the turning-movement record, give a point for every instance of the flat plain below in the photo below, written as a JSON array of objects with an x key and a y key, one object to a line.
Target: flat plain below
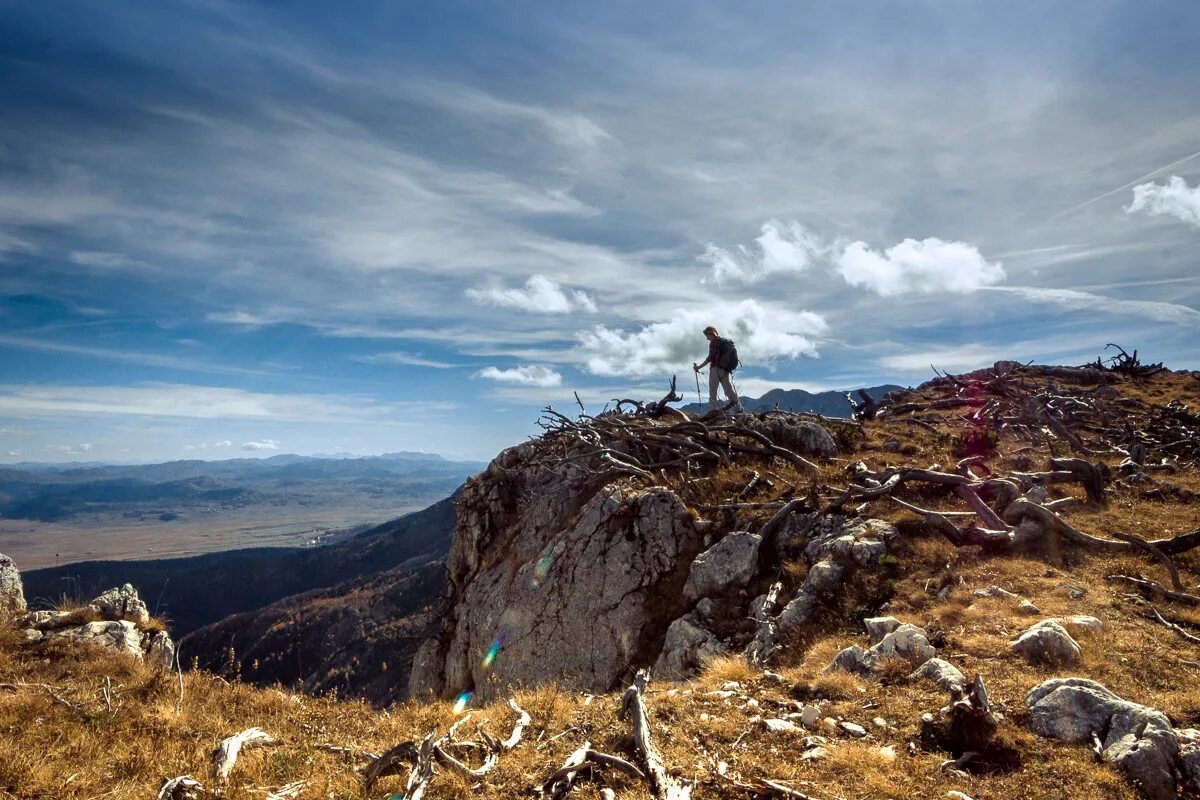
[{"x": 35, "y": 545}]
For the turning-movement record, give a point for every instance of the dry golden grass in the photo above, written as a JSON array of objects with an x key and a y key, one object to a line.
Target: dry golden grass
[{"x": 94, "y": 750}]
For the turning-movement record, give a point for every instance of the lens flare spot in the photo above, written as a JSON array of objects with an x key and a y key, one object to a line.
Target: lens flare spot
[
  {"x": 541, "y": 569},
  {"x": 464, "y": 700},
  {"x": 493, "y": 651}
]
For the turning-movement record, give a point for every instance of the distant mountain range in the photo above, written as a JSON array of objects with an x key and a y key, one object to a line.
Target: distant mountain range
[
  {"x": 829, "y": 404},
  {"x": 174, "y": 488}
]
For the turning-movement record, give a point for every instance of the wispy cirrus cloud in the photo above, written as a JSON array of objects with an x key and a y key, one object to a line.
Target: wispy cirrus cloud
[
  {"x": 1087, "y": 301},
  {"x": 540, "y": 295},
  {"x": 1173, "y": 198},
  {"x": 530, "y": 375}
]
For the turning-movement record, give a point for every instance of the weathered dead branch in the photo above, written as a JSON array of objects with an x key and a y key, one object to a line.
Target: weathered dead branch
[
  {"x": 662, "y": 784},
  {"x": 227, "y": 752}
]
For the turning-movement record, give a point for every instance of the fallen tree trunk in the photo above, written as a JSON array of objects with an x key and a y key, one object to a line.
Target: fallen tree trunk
[{"x": 662, "y": 784}]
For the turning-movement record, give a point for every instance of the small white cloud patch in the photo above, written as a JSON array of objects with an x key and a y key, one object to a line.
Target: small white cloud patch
[
  {"x": 927, "y": 266},
  {"x": 540, "y": 296},
  {"x": 781, "y": 248},
  {"x": 532, "y": 375},
  {"x": 763, "y": 334},
  {"x": 1174, "y": 198},
  {"x": 265, "y": 444}
]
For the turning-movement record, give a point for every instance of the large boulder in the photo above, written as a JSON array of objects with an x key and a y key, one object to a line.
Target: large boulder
[
  {"x": 1047, "y": 642},
  {"x": 1189, "y": 760},
  {"x": 728, "y": 564},
  {"x": 800, "y": 436},
  {"x": 564, "y": 586},
  {"x": 122, "y": 603},
  {"x": 686, "y": 649},
  {"x": 1137, "y": 738},
  {"x": 905, "y": 641},
  {"x": 12, "y": 593}
]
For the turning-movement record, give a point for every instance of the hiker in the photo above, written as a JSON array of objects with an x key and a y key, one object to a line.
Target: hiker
[{"x": 722, "y": 360}]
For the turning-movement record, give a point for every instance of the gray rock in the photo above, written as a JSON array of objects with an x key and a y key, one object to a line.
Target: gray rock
[
  {"x": 706, "y": 608},
  {"x": 577, "y": 589},
  {"x": 1047, "y": 642},
  {"x": 800, "y": 436},
  {"x": 12, "y": 593},
  {"x": 159, "y": 650},
  {"x": 781, "y": 726},
  {"x": 686, "y": 649},
  {"x": 906, "y": 641},
  {"x": 810, "y": 717},
  {"x": 730, "y": 563},
  {"x": 1026, "y": 607},
  {"x": 1137, "y": 738},
  {"x": 993, "y": 591},
  {"x": 122, "y": 604},
  {"x": 1189, "y": 760},
  {"x": 944, "y": 674},
  {"x": 879, "y": 627},
  {"x": 53, "y": 620},
  {"x": 852, "y": 729},
  {"x": 1080, "y": 622},
  {"x": 117, "y": 636}
]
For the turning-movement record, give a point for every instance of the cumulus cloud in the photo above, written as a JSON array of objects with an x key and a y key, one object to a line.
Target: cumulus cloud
[
  {"x": 540, "y": 296},
  {"x": 532, "y": 375},
  {"x": 763, "y": 334},
  {"x": 927, "y": 266},
  {"x": 781, "y": 248},
  {"x": 265, "y": 444},
  {"x": 1174, "y": 198}
]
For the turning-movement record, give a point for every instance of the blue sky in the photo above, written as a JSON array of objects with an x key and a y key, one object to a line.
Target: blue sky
[{"x": 238, "y": 229}]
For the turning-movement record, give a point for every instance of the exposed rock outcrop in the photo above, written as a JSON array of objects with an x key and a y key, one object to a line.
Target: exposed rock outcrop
[
  {"x": 687, "y": 648},
  {"x": 904, "y": 641},
  {"x": 117, "y": 620},
  {"x": 1137, "y": 738},
  {"x": 12, "y": 593},
  {"x": 730, "y": 563},
  {"x": 1048, "y": 642}
]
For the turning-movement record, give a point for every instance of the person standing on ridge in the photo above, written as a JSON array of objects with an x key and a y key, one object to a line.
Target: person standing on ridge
[{"x": 722, "y": 360}]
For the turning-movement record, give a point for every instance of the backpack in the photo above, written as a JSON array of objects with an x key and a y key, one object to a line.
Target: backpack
[{"x": 727, "y": 357}]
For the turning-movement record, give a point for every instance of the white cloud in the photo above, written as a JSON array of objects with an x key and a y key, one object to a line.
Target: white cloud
[
  {"x": 533, "y": 375},
  {"x": 540, "y": 295},
  {"x": 1087, "y": 301},
  {"x": 762, "y": 334},
  {"x": 225, "y": 443},
  {"x": 406, "y": 359},
  {"x": 928, "y": 266},
  {"x": 1174, "y": 198},
  {"x": 71, "y": 449},
  {"x": 14, "y": 452},
  {"x": 190, "y": 402},
  {"x": 265, "y": 444},
  {"x": 105, "y": 261},
  {"x": 780, "y": 248}
]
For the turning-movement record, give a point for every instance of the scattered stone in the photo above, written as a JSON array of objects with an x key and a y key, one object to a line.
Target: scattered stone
[
  {"x": 781, "y": 726},
  {"x": 1026, "y": 607},
  {"x": 730, "y": 563},
  {"x": 879, "y": 627},
  {"x": 117, "y": 636},
  {"x": 1137, "y": 738},
  {"x": 1080, "y": 622},
  {"x": 944, "y": 674},
  {"x": 122, "y": 604},
  {"x": 852, "y": 729},
  {"x": 1047, "y": 642},
  {"x": 905, "y": 641},
  {"x": 1189, "y": 760},
  {"x": 887, "y": 753},
  {"x": 810, "y": 717},
  {"x": 994, "y": 591},
  {"x": 706, "y": 608},
  {"x": 879, "y": 722},
  {"x": 12, "y": 592},
  {"x": 731, "y": 686}
]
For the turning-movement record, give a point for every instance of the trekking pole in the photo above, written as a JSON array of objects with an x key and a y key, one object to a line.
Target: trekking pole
[{"x": 698, "y": 398}]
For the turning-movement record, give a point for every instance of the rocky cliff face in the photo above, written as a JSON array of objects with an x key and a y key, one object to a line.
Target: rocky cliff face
[{"x": 573, "y": 570}]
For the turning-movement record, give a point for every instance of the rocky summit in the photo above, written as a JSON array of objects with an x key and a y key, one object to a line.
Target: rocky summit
[{"x": 982, "y": 587}]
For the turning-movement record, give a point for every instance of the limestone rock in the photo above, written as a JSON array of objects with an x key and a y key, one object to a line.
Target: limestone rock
[
  {"x": 159, "y": 650},
  {"x": 122, "y": 604},
  {"x": 993, "y": 591},
  {"x": 1026, "y": 607},
  {"x": 800, "y": 436},
  {"x": 687, "y": 648},
  {"x": 117, "y": 636},
  {"x": 906, "y": 641},
  {"x": 810, "y": 717},
  {"x": 55, "y": 620},
  {"x": 12, "y": 593},
  {"x": 1137, "y": 738},
  {"x": 587, "y": 584},
  {"x": 852, "y": 729},
  {"x": 944, "y": 674},
  {"x": 879, "y": 627},
  {"x": 1080, "y": 622},
  {"x": 1189, "y": 760},
  {"x": 730, "y": 563},
  {"x": 1048, "y": 642},
  {"x": 781, "y": 726}
]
